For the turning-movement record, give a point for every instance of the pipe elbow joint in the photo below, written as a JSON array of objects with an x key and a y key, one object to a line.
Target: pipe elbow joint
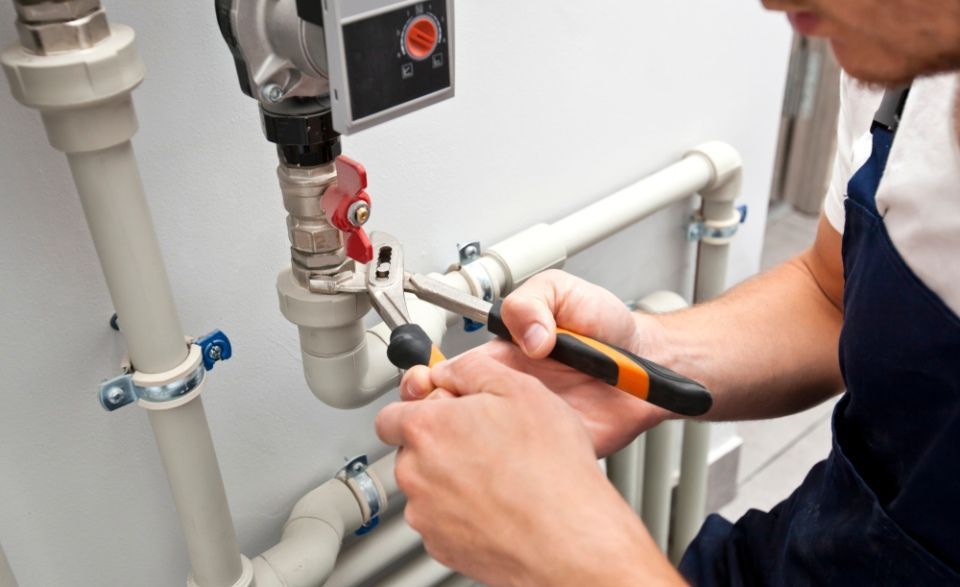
[
  {"x": 727, "y": 165},
  {"x": 312, "y": 537}
]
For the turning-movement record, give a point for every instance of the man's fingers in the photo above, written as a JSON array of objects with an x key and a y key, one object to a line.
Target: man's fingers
[
  {"x": 555, "y": 298},
  {"x": 478, "y": 372},
  {"x": 416, "y": 384},
  {"x": 528, "y": 314},
  {"x": 392, "y": 421}
]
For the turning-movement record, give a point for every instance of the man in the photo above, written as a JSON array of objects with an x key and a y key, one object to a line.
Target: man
[{"x": 499, "y": 465}]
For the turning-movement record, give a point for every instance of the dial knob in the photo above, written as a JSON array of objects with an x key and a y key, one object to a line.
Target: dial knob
[{"x": 421, "y": 37}]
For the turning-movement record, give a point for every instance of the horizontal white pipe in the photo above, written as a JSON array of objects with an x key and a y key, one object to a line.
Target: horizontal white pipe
[
  {"x": 618, "y": 211},
  {"x": 457, "y": 581},
  {"x": 6, "y": 573},
  {"x": 377, "y": 551},
  {"x": 422, "y": 571}
]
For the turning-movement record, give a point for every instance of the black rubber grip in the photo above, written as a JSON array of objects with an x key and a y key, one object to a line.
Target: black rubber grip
[{"x": 409, "y": 346}]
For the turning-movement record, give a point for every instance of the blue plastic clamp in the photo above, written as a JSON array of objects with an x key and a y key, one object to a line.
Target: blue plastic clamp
[{"x": 214, "y": 347}]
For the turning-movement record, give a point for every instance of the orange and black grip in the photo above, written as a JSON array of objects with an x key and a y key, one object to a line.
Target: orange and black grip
[
  {"x": 410, "y": 346},
  {"x": 622, "y": 369}
]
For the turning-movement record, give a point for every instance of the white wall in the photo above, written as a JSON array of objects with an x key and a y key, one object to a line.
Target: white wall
[{"x": 558, "y": 103}]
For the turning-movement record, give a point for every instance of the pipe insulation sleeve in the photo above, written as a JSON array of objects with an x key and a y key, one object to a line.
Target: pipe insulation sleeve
[{"x": 308, "y": 549}]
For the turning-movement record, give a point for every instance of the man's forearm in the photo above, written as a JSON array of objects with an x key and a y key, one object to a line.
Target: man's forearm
[{"x": 767, "y": 348}]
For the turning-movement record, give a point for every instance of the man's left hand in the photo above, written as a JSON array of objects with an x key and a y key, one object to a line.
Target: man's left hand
[{"x": 502, "y": 482}]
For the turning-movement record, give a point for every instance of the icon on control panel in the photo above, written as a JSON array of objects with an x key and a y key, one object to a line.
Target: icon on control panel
[
  {"x": 406, "y": 72},
  {"x": 437, "y": 60}
]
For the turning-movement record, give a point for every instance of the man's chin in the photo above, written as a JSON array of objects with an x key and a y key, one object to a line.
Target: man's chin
[{"x": 873, "y": 71}]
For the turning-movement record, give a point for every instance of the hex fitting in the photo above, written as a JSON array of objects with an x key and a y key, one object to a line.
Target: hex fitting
[
  {"x": 54, "y": 10},
  {"x": 48, "y": 27}
]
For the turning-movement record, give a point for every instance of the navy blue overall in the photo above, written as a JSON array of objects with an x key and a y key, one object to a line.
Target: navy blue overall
[{"x": 884, "y": 507}]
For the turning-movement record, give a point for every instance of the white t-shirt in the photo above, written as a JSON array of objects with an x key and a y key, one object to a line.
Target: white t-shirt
[{"x": 919, "y": 195}]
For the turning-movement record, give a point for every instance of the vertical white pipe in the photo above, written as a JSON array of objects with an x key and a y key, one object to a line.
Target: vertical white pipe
[
  {"x": 111, "y": 192},
  {"x": 186, "y": 449},
  {"x": 6, "y": 573},
  {"x": 622, "y": 472},
  {"x": 84, "y": 97},
  {"x": 692, "y": 489},
  {"x": 658, "y": 482},
  {"x": 718, "y": 210}
]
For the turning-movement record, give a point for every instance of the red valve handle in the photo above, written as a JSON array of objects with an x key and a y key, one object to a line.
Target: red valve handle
[{"x": 336, "y": 204}]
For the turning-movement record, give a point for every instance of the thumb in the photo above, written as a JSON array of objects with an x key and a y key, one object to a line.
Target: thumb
[{"x": 529, "y": 317}]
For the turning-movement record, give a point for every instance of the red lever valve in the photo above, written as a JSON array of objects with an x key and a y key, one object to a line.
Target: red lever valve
[{"x": 347, "y": 206}]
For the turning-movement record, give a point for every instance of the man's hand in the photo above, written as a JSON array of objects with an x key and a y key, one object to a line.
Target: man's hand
[
  {"x": 503, "y": 485},
  {"x": 532, "y": 313}
]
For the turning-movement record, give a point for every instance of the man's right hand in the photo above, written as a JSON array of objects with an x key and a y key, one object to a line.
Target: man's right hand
[{"x": 533, "y": 313}]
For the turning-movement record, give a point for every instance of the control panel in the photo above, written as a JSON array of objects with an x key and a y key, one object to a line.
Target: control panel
[{"x": 386, "y": 59}]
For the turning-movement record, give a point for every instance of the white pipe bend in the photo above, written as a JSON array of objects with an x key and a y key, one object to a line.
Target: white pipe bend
[{"x": 307, "y": 552}]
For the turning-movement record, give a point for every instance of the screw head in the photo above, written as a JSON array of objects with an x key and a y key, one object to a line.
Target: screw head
[
  {"x": 215, "y": 352},
  {"x": 470, "y": 252},
  {"x": 359, "y": 213},
  {"x": 115, "y": 395},
  {"x": 271, "y": 93},
  {"x": 358, "y": 468}
]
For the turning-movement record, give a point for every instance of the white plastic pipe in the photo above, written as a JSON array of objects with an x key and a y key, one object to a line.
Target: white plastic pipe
[
  {"x": 618, "y": 211},
  {"x": 311, "y": 540},
  {"x": 389, "y": 543},
  {"x": 6, "y": 573},
  {"x": 84, "y": 100},
  {"x": 658, "y": 482},
  {"x": 457, "y": 581},
  {"x": 186, "y": 449},
  {"x": 422, "y": 571},
  {"x": 622, "y": 472},
  {"x": 111, "y": 192},
  {"x": 625, "y": 469},
  {"x": 718, "y": 211},
  {"x": 314, "y": 532}
]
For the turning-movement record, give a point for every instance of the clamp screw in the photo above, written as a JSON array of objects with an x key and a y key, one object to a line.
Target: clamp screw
[
  {"x": 215, "y": 353},
  {"x": 271, "y": 93},
  {"x": 115, "y": 395},
  {"x": 359, "y": 213}
]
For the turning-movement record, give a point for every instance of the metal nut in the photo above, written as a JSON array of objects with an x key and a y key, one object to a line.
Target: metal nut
[
  {"x": 323, "y": 280},
  {"x": 322, "y": 261},
  {"x": 54, "y": 10},
  {"x": 58, "y": 37},
  {"x": 313, "y": 237}
]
